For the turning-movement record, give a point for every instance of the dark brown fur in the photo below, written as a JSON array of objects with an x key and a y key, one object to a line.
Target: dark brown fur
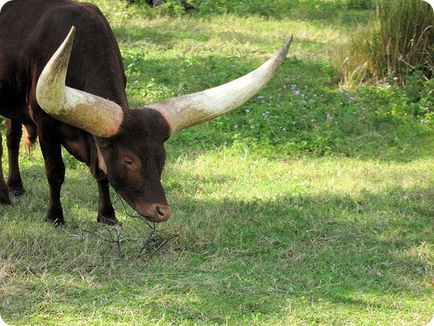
[{"x": 132, "y": 160}]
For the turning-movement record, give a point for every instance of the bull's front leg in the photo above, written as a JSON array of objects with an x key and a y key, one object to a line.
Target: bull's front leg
[
  {"x": 13, "y": 137},
  {"x": 4, "y": 192},
  {"x": 54, "y": 167},
  {"x": 106, "y": 212}
]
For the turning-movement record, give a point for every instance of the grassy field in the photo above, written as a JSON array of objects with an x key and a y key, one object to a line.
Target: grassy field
[{"x": 312, "y": 204}]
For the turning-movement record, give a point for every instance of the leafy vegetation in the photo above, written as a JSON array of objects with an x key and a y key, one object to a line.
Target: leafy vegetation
[
  {"x": 311, "y": 204},
  {"x": 278, "y": 8}
]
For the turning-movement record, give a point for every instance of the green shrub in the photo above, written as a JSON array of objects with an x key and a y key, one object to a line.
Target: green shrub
[
  {"x": 243, "y": 7},
  {"x": 210, "y": 7},
  {"x": 360, "y": 4},
  {"x": 296, "y": 9}
]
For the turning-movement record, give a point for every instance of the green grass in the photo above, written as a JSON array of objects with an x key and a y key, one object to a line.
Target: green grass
[
  {"x": 330, "y": 241},
  {"x": 327, "y": 222}
]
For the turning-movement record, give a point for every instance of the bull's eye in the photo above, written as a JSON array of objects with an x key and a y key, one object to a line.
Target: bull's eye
[{"x": 128, "y": 160}]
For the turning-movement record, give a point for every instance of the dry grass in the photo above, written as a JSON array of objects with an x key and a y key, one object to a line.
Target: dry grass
[{"x": 399, "y": 39}]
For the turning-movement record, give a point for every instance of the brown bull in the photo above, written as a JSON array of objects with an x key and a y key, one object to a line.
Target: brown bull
[{"x": 71, "y": 92}]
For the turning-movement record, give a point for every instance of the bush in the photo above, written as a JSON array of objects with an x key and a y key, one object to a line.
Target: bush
[
  {"x": 360, "y": 4},
  {"x": 399, "y": 41},
  {"x": 208, "y": 7},
  {"x": 243, "y": 7}
]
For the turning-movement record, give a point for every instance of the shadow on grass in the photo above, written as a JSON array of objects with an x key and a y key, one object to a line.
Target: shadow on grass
[{"x": 233, "y": 261}]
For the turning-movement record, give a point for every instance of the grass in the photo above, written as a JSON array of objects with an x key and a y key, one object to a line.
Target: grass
[
  {"x": 327, "y": 222},
  {"x": 330, "y": 241}
]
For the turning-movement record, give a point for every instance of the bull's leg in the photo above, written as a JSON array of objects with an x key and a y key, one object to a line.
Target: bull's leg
[
  {"x": 4, "y": 192},
  {"x": 13, "y": 137},
  {"x": 55, "y": 169},
  {"x": 106, "y": 212}
]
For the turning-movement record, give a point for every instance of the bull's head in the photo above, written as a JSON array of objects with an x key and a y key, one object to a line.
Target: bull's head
[{"x": 130, "y": 143}]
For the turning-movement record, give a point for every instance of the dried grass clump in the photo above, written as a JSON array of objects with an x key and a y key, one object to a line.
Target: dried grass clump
[{"x": 399, "y": 40}]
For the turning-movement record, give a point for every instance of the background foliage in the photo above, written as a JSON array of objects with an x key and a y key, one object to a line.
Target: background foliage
[{"x": 278, "y": 8}]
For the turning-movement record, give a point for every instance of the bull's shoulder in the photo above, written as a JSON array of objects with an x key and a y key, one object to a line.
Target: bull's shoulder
[{"x": 91, "y": 7}]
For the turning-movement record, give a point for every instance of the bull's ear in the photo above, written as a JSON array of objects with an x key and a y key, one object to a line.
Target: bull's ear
[
  {"x": 91, "y": 113},
  {"x": 185, "y": 111},
  {"x": 105, "y": 143}
]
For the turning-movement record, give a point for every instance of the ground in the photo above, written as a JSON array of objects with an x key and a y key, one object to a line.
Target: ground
[{"x": 312, "y": 204}]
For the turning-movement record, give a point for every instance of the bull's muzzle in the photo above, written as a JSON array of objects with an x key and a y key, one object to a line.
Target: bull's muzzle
[{"x": 154, "y": 212}]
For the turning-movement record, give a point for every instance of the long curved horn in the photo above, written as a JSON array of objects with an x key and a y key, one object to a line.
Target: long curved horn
[
  {"x": 91, "y": 113},
  {"x": 188, "y": 110}
]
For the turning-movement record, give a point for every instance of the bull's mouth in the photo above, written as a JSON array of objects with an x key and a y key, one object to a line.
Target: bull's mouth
[{"x": 154, "y": 212}]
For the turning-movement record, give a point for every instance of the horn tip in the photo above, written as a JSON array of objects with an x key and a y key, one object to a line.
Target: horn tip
[
  {"x": 282, "y": 53},
  {"x": 288, "y": 43},
  {"x": 71, "y": 31}
]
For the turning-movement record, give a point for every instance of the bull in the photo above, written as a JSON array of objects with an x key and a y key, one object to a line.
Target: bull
[{"x": 62, "y": 77}]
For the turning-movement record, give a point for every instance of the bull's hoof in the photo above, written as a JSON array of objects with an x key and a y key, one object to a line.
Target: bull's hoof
[
  {"x": 16, "y": 190},
  {"x": 4, "y": 199},
  {"x": 57, "y": 222},
  {"x": 4, "y": 193},
  {"x": 108, "y": 220}
]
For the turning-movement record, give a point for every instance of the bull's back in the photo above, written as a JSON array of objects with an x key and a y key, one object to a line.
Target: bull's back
[
  {"x": 19, "y": 24},
  {"x": 31, "y": 31}
]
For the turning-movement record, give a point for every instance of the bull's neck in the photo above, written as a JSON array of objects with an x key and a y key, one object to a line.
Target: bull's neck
[{"x": 112, "y": 88}]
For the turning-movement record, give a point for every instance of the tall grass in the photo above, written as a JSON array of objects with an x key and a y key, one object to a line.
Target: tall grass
[
  {"x": 407, "y": 35},
  {"x": 399, "y": 40}
]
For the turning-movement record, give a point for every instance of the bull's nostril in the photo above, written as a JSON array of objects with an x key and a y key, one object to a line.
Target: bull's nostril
[
  {"x": 160, "y": 211},
  {"x": 154, "y": 212},
  {"x": 163, "y": 212}
]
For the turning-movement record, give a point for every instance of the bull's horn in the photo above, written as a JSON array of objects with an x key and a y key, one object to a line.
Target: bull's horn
[
  {"x": 91, "y": 113},
  {"x": 188, "y": 110}
]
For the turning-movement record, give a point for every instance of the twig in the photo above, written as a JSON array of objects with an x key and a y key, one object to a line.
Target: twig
[
  {"x": 115, "y": 236},
  {"x": 153, "y": 242},
  {"x": 151, "y": 226},
  {"x": 148, "y": 245}
]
